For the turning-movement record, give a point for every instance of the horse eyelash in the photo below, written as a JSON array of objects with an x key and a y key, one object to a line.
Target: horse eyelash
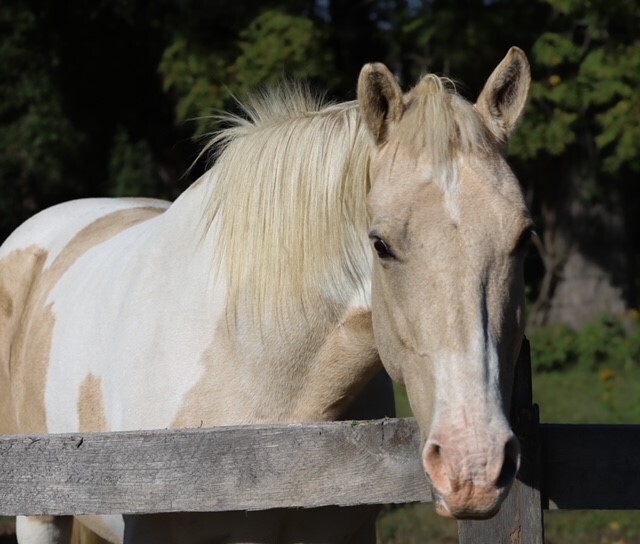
[{"x": 382, "y": 248}]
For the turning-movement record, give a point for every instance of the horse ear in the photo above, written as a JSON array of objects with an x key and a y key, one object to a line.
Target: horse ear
[
  {"x": 504, "y": 96},
  {"x": 380, "y": 99}
]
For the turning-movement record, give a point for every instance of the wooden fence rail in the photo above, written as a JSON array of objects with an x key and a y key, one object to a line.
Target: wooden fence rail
[
  {"x": 227, "y": 468},
  {"x": 343, "y": 463}
]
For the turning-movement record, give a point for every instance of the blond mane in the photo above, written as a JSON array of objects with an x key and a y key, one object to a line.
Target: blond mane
[
  {"x": 289, "y": 202},
  {"x": 291, "y": 185}
]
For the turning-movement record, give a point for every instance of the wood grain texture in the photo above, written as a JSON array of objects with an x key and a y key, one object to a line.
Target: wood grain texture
[{"x": 221, "y": 469}]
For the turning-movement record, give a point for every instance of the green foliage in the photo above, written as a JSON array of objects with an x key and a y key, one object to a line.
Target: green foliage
[
  {"x": 131, "y": 169},
  {"x": 602, "y": 343},
  {"x": 619, "y": 124},
  {"x": 197, "y": 77},
  {"x": 38, "y": 143},
  {"x": 456, "y": 39},
  {"x": 587, "y": 85},
  {"x": 65, "y": 87},
  {"x": 553, "y": 348},
  {"x": 274, "y": 45},
  {"x": 605, "y": 343},
  {"x": 602, "y": 387},
  {"x": 553, "y": 50}
]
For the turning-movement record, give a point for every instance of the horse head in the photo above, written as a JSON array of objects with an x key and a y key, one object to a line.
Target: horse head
[{"x": 449, "y": 227}]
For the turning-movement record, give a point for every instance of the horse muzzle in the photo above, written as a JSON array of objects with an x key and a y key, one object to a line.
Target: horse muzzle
[{"x": 470, "y": 482}]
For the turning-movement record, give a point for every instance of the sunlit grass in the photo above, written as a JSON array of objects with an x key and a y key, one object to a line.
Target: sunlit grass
[
  {"x": 578, "y": 395},
  {"x": 415, "y": 524}
]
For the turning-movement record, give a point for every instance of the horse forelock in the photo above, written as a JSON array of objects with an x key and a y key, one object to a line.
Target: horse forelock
[
  {"x": 288, "y": 203},
  {"x": 438, "y": 125}
]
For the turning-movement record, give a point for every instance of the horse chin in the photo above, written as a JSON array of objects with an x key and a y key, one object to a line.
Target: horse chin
[{"x": 468, "y": 513}]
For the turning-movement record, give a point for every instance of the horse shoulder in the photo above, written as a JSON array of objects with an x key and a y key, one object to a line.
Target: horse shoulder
[{"x": 342, "y": 370}]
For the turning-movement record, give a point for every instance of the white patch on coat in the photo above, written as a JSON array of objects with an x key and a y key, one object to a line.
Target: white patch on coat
[
  {"x": 147, "y": 352},
  {"x": 77, "y": 214}
]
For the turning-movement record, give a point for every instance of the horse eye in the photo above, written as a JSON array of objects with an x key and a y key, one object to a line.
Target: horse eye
[
  {"x": 524, "y": 240},
  {"x": 381, "y": 247}
]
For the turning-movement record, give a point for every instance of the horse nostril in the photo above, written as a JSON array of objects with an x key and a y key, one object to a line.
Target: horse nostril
[
  {"x": 433, "y": 453},
  {"x": 510, "y": 464},
  {"x": 435, "y": 466},
  {"x": 432, "y": 458}
]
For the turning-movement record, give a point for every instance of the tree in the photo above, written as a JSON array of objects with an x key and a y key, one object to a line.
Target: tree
[
  {"x": 582, "y": 131},
  {"x": 461, "y": 38},
  {"x": 272, "y": 46},
  {"x": 38, "y": 144},
  {"x": 78, "y": 83}
]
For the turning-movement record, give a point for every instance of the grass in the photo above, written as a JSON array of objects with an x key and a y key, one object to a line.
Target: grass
[
  {"x": 592, "y": 527},
  {"x": 415, "y": 524},
  {"x": 608, "y": 395}
]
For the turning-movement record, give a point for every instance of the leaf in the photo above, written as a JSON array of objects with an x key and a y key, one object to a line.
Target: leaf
[{"x": 553, "y": 49}]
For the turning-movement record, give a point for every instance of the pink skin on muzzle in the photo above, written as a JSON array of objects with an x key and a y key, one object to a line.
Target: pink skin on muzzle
[{"x": 470, "y": 479}]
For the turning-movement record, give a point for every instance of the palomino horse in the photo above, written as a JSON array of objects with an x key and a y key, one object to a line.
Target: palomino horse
[{"x": 257, "y": 295}]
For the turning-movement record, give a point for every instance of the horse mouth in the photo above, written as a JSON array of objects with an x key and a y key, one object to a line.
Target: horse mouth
[
  {"x": 465, "y": 509},
  {"x": 443, "y": 510}
]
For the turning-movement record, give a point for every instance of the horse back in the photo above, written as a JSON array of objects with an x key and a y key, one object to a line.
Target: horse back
[{"x": 32, "y": 260}]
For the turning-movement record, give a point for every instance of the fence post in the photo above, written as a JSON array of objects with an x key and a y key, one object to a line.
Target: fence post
[{"x": 520, "y": 518}]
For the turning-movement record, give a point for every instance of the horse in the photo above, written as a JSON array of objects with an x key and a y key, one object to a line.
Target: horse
[{"x": 327, "y": 242}]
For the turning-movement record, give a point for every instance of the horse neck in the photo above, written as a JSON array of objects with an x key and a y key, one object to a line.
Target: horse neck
[{"x": 287, "y": 350}]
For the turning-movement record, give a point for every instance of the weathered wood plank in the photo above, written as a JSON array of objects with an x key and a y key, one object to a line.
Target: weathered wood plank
[
  {"x": 227, "y": 468},
  {"x": 591, "y": 467}
]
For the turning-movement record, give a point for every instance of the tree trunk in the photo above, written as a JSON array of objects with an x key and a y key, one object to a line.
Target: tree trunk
[{"x": 585, "y": 252}]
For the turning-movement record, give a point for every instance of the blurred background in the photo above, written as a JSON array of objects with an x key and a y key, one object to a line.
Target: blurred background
[{"x": 114, "y": 98}]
